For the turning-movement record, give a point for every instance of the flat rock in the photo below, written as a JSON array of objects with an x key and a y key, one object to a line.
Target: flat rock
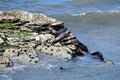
[
  {"x": 28, "y": 19},
  {"x": 20, "y": 16}
]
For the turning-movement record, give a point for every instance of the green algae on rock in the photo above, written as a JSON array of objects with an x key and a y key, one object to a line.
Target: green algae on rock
[
  {"x": 25, "y": 33},
  {"x": 8, "y": 26}
]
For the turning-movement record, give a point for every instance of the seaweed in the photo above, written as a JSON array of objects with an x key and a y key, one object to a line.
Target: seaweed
[
  {"x": 13, "y": 31},
  {"x": 8, "y": 26}
]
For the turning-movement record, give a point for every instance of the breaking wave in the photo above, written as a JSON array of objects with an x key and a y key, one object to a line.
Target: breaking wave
[{"x": 96, "y": 18}]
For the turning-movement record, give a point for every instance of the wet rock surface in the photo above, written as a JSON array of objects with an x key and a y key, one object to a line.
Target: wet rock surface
[{"x": 24, "y": 36}]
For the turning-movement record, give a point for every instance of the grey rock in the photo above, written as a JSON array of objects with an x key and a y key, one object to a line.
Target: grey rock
[
  {"x": 28, "y": 19},
  {"x": 15, "y": 16}
]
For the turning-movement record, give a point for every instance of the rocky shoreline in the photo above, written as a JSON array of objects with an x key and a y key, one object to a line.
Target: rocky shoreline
[{"x": 23, "y": 34}]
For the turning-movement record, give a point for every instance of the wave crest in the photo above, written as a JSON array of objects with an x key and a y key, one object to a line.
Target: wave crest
[{"x": 95, "y": 18}]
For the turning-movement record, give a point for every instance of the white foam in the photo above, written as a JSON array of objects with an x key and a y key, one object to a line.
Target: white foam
[
  {"x": 0, "y": 12},
  {"x": 49, "y": 66},
  {"x": 79, "y": 14},
  {"x": 18, "y": 67},
  {"x": 6, "y": 77},
  {"x": 114, "y": 11},
  {"x": 98, "y": 11},
  {"x": 117, "y": 63}
]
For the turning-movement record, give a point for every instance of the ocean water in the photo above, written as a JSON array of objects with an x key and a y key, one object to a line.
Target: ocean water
[{"x": 96, "y": 23}]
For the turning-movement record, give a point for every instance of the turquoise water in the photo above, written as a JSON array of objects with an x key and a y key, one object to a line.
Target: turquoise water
[{"x": 96, "y": 23}]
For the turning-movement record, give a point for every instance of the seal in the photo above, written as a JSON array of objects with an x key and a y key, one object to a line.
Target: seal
[
  {"x": 63, "y": 68},
  {"x": 98, "y": 55},
  {"x": 69, "y": 41},
  {"x": 61, "y": 36},
  {"x": 61, "y": 31},
  {"x": 56, "y": 33},
  {"x": 65, "y": 38}
]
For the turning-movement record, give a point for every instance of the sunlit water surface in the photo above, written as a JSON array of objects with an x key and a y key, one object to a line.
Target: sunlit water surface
[{"x": 96, "y": 23}]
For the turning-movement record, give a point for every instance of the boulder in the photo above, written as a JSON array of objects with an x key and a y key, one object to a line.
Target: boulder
[
  {"x": 26, "y": 18},
  {"x": 51, "y": 38},
  {"x": 15, "y": 16}
]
